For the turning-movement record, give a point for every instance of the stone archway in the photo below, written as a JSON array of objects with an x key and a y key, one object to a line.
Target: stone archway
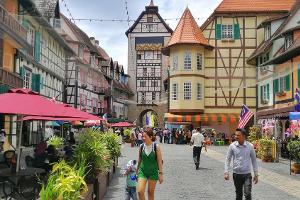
[{"x": 143, "y": 116}]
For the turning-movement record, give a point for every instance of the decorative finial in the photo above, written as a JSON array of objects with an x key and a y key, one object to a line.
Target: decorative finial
[{"x": 151, "y": 3}]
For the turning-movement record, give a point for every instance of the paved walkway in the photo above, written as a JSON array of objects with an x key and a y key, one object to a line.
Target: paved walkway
[{"x": 182, "y": 181}]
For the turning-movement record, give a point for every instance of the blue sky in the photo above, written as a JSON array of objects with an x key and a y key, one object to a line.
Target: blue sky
[{"x": 112, "y": 34}]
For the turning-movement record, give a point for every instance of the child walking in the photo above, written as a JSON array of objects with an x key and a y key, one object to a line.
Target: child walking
[{"x": 131, "y": 180}]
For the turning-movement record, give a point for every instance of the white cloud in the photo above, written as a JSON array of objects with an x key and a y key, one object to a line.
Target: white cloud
[{"x": 112, "y": 34}]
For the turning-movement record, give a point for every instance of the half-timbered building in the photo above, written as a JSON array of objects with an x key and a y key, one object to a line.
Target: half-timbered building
[
  {"x": 229, "y": 81},
  {"x": 232, "y": 30},
  {"x": 277, "y": 60},
  {"x": 86, "y": 83},
  {"x": 147, "y": 66}
]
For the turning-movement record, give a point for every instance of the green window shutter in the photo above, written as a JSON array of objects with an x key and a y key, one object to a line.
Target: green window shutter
[
  {"x": 37, "y": 46},
  {"x": 25, "y": 23},
  {"x": 237, "y": 33},
  {"x": 4, "y": 89},
  {"x": 218, "y": 31},
  {"x": 276, "y": 84},
  {"x": 298, "y": 76},
  {"x": 268, "y": 91},
  {"x": 38, "y": 83},
  {"x": 261, "y": 94},
  {"x": 287, "y": 83},
  {"x": 33, "y": 80},
  {"x": 22, "y": 72}
]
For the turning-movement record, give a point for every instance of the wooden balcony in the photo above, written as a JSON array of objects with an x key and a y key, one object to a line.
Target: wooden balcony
[
  {"x": 12, "y": 26},
  {"x": 11, "y": 79}
]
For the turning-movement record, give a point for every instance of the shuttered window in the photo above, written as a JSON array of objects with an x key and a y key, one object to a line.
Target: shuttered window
[
  {"x": 276, "y": 86},
  {"x": 218, "y": 31},
  {"x": 237, "y": 34},
  {"x": 37, "y": 46},
  {"x": 36, "y": 82},
  {"x": 265, "y": 93}
]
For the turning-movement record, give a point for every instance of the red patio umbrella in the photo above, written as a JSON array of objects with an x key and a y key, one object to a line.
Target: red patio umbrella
[
  {"x": 25, "y": 102},
  {"x": 122, "y": 124}
]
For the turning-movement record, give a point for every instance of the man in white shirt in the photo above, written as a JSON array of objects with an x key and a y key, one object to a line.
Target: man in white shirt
[{"x": 198, "y": 141}]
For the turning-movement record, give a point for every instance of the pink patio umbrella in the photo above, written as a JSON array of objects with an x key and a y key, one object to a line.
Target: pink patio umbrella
[
  {"x": 24, "y": 102},
  {"x": 122, "y": 124}
]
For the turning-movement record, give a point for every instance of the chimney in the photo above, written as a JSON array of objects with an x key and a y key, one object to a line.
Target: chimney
[{"x": 92, "y": 40}]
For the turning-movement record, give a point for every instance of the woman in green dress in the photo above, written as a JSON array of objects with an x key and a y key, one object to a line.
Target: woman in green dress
[{"x": 149, "y": 168}]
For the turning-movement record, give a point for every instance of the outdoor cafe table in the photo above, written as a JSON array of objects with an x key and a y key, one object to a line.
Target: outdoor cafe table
[{"x": 14, "y": 177}]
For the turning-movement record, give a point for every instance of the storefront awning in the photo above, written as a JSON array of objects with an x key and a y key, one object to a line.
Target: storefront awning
[{"x": 209, "y": 117}]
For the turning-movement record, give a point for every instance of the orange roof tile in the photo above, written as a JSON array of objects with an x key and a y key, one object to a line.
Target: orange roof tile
[
  {"x": 255, "y": 5},
  {"x": 187, "y": 31}
]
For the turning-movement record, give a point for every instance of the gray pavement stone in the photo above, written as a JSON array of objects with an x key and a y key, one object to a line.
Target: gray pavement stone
[{"x": 182, "y": 181}]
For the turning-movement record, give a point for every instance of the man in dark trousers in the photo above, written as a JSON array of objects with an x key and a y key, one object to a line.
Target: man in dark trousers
[
  {"x": 198, "y": 141},
  {"x": 243, "y": 155}
]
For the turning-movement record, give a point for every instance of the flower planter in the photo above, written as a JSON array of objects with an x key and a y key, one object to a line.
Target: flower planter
[
  {"x": 296, "y": 168},
  {"x": 90, "y": 193},
  {"x": 102, "y": 185}
]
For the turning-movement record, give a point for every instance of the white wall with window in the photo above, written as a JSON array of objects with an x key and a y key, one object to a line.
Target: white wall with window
[
  {"x": 174, "y": 91},
  {"x": 199, "y": 61},
  {"x": 288, "y": 41},
  {"x": 267, "y": 32},
  {"x": 265, "y": 93},
  {"x": 175, "y": 62},
  {"x": 187, "y": 61},
  {"x": 227, "y": 31},
  {"x": 187, "y": 91},
  {"x": 199, "y": 91}
]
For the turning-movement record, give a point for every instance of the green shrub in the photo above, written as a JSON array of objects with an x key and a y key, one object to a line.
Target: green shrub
[
  {"x": 65, "y": 182},
  {"x": 111, "y": 141},
  {"x": 93, "y": 150},
  {"x": 56, "y": 141},
  {"x": 294, "y": 148},
  {"x": 127, "y": 133},
  {"x": 265, "y": 149}
]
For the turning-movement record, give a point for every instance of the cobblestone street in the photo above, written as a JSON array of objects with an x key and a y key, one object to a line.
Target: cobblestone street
[{"x": 182, "y": 181}]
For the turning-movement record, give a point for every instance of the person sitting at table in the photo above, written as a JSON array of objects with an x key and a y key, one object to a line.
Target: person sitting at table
[{"x": 52, "y": 157}]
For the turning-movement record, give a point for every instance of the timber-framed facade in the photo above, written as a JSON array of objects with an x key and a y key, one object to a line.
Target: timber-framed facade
[{"x": 147, "y": 66}]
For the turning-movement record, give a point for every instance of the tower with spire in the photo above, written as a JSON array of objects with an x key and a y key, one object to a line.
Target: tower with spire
[
  {"x": 147, "y": 66},
  {"x": 187, "y": 48}
]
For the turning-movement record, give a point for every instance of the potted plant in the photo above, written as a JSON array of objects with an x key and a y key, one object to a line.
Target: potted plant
[
  {"x": 112, "y": 143},
  {"x": 294, "y": 149},
  {"x": 65, "y": 182},
  {"x": 93, "y": 150},
  {"x": 55, "y": 141},
  {"x": 127, "y": 133},
  {"x": 265, "y": 150}
]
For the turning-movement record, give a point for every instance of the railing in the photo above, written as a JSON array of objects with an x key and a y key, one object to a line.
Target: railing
[
  {"x": 10, "y": 79},
  {"x": 12, "y": 23}
]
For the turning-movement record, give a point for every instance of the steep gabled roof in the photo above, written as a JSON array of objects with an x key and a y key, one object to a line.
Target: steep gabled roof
[
  {"x": 278, "y": 33},
  {"x": 81, "y": 35},
  {"x": 250, "y": 6},
  {"x": 255, "y": 6},
  {"x": 187, "y": 31},
  {"x": 151, "y": 9}
]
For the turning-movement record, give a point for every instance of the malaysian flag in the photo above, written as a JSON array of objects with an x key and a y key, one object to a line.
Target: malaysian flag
[
  {"x": 245, "y": 116},
  {"x": 297, "y": 100}
]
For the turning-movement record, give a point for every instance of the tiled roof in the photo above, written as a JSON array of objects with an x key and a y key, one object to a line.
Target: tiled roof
[
  {"x": 103, "y": 53},
  {"x": 81, "y": 35},
  {"x": 187, "y": 31},
  {"x": 255, "y": 5}
]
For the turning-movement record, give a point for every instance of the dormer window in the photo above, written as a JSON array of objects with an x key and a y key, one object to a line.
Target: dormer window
[
  {"x": 267, "y": 32},
  {"x": 288, "y": 41}
]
